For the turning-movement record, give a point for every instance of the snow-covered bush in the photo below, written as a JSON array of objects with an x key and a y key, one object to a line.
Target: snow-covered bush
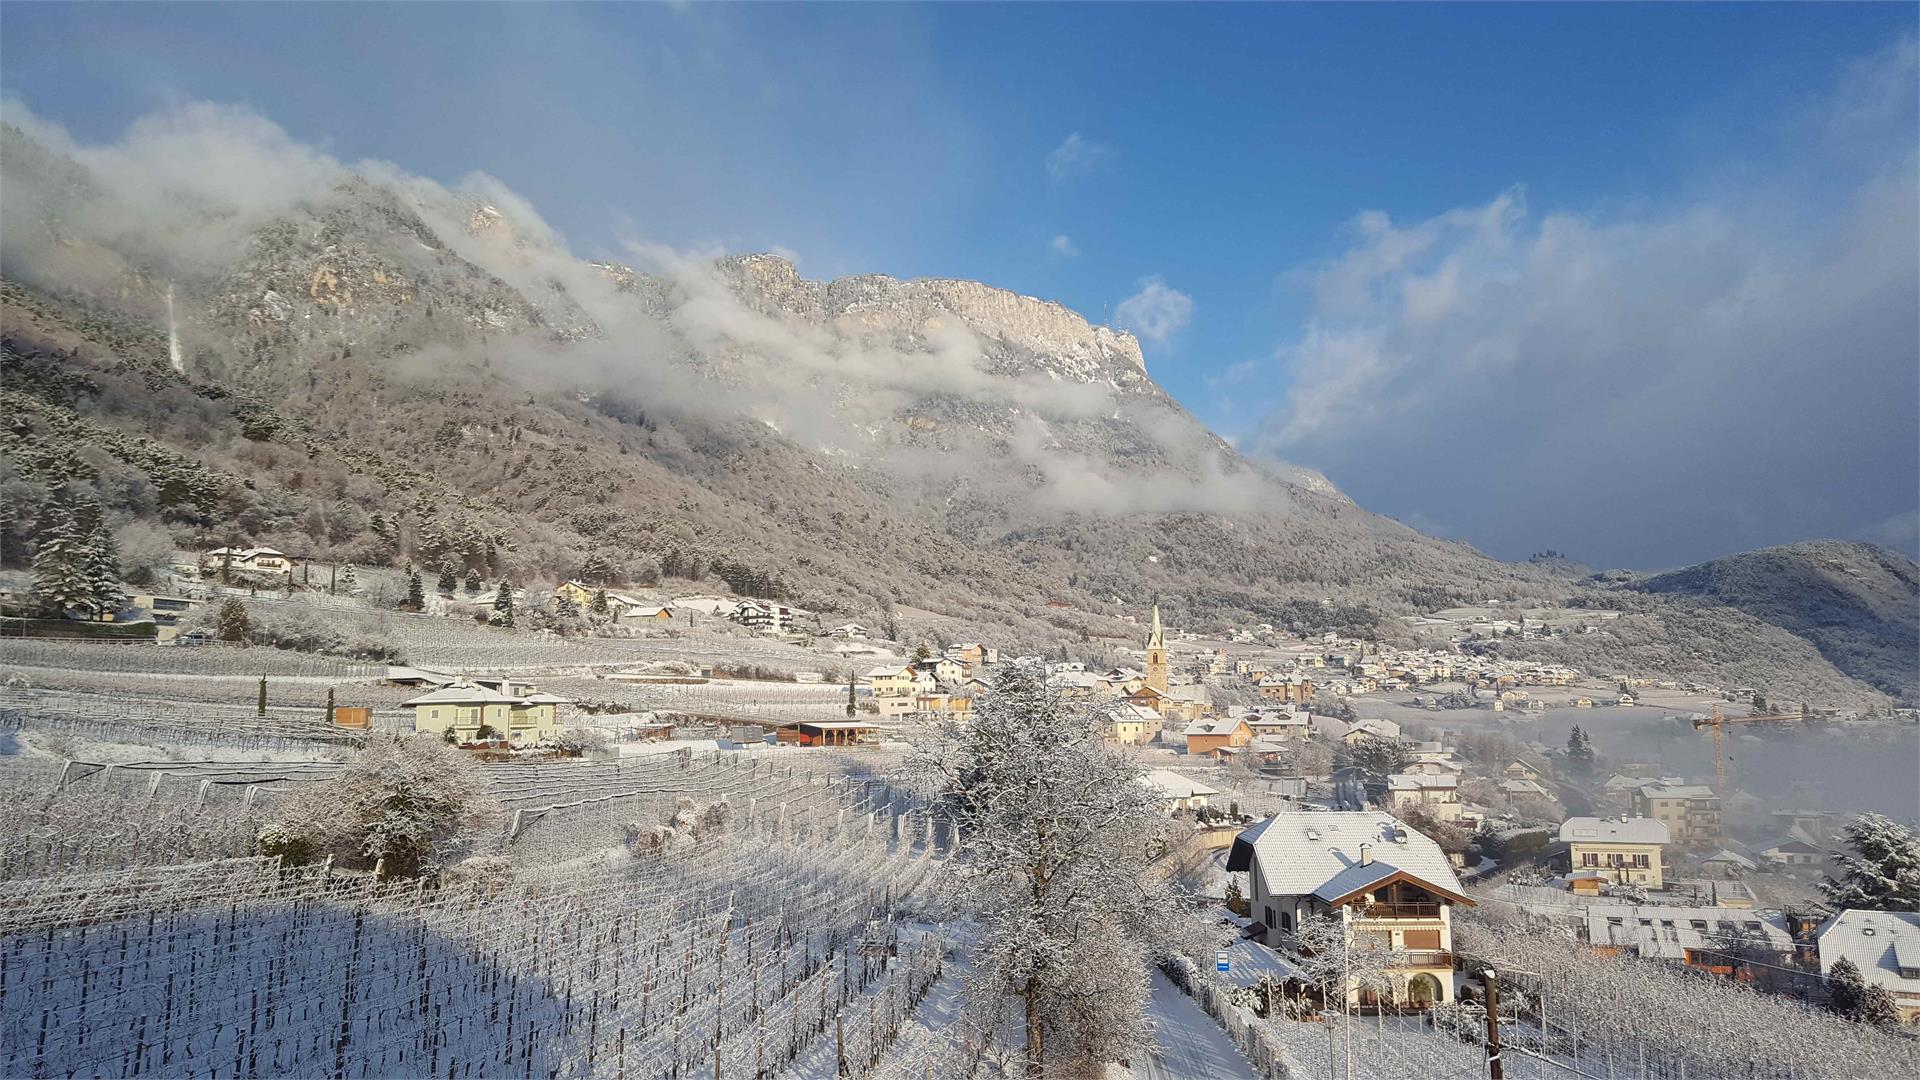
[{"x": 399, "y": 806}]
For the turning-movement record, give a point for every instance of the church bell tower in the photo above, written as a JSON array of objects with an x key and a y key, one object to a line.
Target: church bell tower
[{"x": 1157, "y": 654}]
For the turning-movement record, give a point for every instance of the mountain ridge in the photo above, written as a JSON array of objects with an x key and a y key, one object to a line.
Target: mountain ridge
[{"x": 857, "y": 445}]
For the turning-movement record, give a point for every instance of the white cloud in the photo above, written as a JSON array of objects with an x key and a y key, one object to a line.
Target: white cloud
[
  {"x": 1075, "y": 156},
  {"x": 1156, "y": 312},
  {"x": 1643, "y": 389},
  {"x": 1062, "y": 247}
]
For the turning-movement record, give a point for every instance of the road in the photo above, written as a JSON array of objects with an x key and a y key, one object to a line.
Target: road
[{"x": 1190, "y": 1045}]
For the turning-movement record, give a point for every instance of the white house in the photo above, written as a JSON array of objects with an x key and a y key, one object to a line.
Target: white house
[
  {"x": 1884, "y": 945},
  {"x": 1179, "y": 792},
  {"x": 1383, "y": 879},
  {"x": 1434, "y": 794}
]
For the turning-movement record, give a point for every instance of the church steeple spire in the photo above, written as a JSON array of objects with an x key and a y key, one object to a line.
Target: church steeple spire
[{"x": 1157, "y": 654}]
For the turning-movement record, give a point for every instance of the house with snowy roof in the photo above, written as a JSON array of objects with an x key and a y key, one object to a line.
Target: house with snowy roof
[
  {"x": 1179, "y": 792},
  {"x": 1385, "y": 881},
  {"x": 1218, "y": 734},
  {"x": 1438, "y": 795},
  {"x": 1626, "y": 850},
  {"x": 1885, "y": 946},
  {"x": 518, "y": 714}
]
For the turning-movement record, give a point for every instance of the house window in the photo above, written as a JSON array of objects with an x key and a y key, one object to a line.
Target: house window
[
  {"x": 1641, "y": 861},
  {"x": 1271, "y": 921},
  {"x": 1590, "y": 858}
]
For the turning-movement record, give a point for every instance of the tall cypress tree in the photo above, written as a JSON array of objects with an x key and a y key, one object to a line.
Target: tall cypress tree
[{"x": 416, "y": 592}]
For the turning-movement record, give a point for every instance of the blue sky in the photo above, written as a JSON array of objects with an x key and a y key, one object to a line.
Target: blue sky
[{"x": 1224, "y": 152}]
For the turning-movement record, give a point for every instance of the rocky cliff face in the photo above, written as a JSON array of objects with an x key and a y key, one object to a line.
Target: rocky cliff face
[{"x": 906, "y": 312}]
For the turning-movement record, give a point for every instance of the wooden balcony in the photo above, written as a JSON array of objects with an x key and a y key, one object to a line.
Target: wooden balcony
[{"x": 1384, "y": 910}]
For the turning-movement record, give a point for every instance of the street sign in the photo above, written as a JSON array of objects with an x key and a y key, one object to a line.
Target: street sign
[{"x": 1221, "y": 963}]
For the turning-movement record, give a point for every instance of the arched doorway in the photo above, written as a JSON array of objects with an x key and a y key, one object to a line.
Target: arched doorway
[{"x": 1423, "y": 990}]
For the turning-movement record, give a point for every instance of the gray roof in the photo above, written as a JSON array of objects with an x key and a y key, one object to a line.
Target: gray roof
[
  {"x": 1218, "y": 725},
  {"x": 1659, "y": 931},
  {"x": 1879, "y": 943},
  {"x": 1301, "y": 852},
  {"x": 1354, "y": 879},
  {"x": 462, "y": 695},
  {"x": 1640, "y": 830},
  {"x": 1677, "y": 791}
]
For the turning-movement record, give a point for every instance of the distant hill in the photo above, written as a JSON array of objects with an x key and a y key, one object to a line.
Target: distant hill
[{"x": 1858, "y": 603}]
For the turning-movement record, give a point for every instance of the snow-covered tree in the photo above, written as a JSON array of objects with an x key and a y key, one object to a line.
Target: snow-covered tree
[
  {"x": 234, "y": 624},
  {"x": 502, "y": 614},
  {"x": 447, "y": 582},
  {"x": 1845, "y": 987},
  {"x": 1882, "y": 873},
  {"x": 399, "y": 804},
  {"x": 599, "y": 604},
  {"x": 416, "y": 591},
  {"x": 581, "y": 739},
  {"x": 75, "y": 567},
  {"x": 1057, "y": 831}
]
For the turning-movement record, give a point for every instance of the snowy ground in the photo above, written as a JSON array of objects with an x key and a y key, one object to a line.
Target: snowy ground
[{"x": 1188, "y": 1044}]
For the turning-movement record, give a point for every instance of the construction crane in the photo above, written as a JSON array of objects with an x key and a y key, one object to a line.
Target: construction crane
[{"x": 1717, "y": 721}]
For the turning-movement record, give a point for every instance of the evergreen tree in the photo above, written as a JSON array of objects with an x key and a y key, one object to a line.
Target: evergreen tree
[
  {"x": 565, "y": 606},
  {"x": 347, "y": 579},
  {"x": 599, "y": 604},
  {"x": 416, "y": 592},
  {"x": 473, "y": 583},
  {"x": 447, "y": 582},
  {"x": 234, "y": 624},
  {"x": 1877, "y": 1006},
  {"x": 76, "y": 567},
  {"x": 1883, "y": 873},
  {"x": 502, "y": 605},
  {"x": 59, "y": 574},
  {"x": 1845, "y": 988},
  {"x": 850, "y": 706},
  {"x": 1579, "y": 752}
]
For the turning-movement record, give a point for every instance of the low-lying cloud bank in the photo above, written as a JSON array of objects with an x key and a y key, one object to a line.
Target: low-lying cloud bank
[
  {"x": 180, "y": 194},
  {"x": 1637, "y": 389}
]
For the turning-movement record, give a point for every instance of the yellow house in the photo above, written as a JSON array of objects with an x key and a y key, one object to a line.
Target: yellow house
[
  {"x": 895, "y": 689},
  {"x": 1625, "y": 850},
  {"x": 464, "y": 710},
  {"x": 1132, "y": 725}
]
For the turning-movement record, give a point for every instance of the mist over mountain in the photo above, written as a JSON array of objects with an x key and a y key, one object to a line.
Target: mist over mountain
[{"x": 237, "y": 338}]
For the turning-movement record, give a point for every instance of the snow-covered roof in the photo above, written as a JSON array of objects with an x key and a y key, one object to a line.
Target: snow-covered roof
[
  {"x": 1249, "y": 963},
  {"x": 1522, "y": 787},
  {"x": 1417, "y": 782},
  {"x": 1300, "y": 853},
  {"x": 1880, "y": 944},
  {"x": 1592, "y": 830},
  {"x": 1677, "y": 791},
  {"x": 1660, "y": 931},
  {"x": 462, "y": 695},
  {"x": 1175, "y": 786},
  {"x": 1731, "y": 857},
  {"x": 1215, "y": 725}
]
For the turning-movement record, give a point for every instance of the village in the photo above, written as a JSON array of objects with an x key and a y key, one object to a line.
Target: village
[{"x": 1306, "y": 776}]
